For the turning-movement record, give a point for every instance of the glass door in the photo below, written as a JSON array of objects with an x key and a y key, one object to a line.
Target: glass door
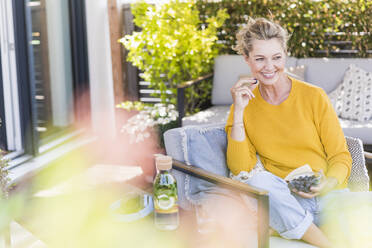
[
  {"x": 43, "y": 74},
  {"x": 10, "y": 130},
  {"x": 48, "y": 26}
]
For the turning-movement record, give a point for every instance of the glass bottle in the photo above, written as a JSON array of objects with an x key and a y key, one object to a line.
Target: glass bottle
[{"x": 165, "y": 195}]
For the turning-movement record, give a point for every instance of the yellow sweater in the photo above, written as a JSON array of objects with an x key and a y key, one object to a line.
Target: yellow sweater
[{"x": 303, "y": 129}]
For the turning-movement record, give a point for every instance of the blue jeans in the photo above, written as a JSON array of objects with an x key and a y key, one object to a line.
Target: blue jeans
[{"x": 290, "y": 214}]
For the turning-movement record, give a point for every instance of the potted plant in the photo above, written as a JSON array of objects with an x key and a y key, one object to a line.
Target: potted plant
[{"x": 149, "y": 121}]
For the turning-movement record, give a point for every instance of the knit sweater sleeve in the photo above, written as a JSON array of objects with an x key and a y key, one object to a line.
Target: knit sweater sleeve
[
  {"x": 333, "y": 139},
  {"x": 240, "y": 155}
]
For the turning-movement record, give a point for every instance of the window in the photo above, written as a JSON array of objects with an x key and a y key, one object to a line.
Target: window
[
  {"x": 51, "y": 61},
  {"x": 10, "y": 137},
  {"x": 44, "y": 67}
]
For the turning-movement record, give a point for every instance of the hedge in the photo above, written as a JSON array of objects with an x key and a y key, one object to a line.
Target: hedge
[{"x": 332, "y": 28}]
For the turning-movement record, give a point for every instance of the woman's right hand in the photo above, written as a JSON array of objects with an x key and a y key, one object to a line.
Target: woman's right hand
[{"x": 242, "y": 93}]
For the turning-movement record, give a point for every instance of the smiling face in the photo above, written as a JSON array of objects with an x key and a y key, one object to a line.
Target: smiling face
[{"x": 267, "y": 60}]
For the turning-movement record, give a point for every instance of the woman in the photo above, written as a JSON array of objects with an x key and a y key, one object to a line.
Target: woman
[{"x": 288, "y": 123}]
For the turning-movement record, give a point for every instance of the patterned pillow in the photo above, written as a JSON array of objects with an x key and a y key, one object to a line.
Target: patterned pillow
[{"x": 352, "y": 99}]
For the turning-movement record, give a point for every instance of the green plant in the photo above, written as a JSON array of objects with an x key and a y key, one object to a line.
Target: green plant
[
  {"x": 4, "y": 179},
  {"x": 173, "y": 47},
  {"x": 317, "y": 28}
]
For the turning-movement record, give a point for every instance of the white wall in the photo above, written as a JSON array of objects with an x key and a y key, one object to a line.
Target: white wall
[{"x": 100, "y": 68}]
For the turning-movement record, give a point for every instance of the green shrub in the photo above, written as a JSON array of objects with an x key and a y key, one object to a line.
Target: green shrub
[
  {"x": 173, "y": 47},
  {"x": 4, "y": 179},
  {"x": 318, "y": 28}
]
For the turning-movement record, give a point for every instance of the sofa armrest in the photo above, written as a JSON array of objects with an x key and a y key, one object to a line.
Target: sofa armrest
[
  {"x": 181, "y": 95},
  {"x": 217, "y": 179},
  {"x": 368, "y": 155},
  {"x": 261, "y": 196}
]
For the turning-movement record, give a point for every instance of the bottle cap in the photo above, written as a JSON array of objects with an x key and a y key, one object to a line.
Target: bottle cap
[{"x": 163, "y": 162}]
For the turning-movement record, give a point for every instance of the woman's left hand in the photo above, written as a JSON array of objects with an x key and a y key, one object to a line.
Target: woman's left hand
[{"x": 326, "y": 185}]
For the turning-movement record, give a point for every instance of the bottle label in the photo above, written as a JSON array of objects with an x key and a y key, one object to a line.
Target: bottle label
[{"x": 165, "y": 204}]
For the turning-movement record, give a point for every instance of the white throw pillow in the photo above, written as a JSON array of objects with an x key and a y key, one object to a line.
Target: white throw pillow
[{"x": 352, "y": 99}]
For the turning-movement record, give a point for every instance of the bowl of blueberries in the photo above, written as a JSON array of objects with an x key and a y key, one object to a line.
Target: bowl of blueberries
[
  {"x": 304, "y": 183},
  {"x": 303, "y": 178}
]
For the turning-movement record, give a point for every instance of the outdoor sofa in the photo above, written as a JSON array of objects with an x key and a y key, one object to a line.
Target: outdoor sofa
[
  {"x": 327, "y": 73},
  {"x": 198, "y": 172},
  {"x": 199, "y": 165}
]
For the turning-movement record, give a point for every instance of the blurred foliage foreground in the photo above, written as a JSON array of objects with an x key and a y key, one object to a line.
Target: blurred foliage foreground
[
  {"x": 74, "y": 211},
  {"x": 68, "y": 205}
]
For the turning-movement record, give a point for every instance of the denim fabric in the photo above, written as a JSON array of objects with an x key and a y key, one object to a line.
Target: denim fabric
[
  {"x": 204, "y": 147},
  {"x": 291, "y": 215},
  {"x": 311, "y": 205},
  {"x": 287, "y": 216}
]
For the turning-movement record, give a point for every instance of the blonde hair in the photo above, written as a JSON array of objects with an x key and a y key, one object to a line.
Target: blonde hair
[{"x": 259, "y": 29}]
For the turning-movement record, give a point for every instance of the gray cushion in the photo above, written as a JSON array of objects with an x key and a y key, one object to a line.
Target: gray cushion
[
  {"x": 204, "y": 147},
  {"x": 356, "y": 129},
  {"x": 329, "y": 72},
  {"x": 227, "y": 69},
  {"x": 215, "y": 114}
]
